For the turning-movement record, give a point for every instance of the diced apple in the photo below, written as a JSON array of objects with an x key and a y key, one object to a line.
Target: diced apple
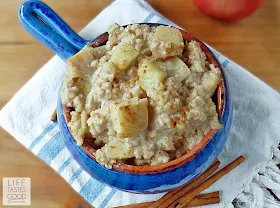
[
  {"x": 196, "y": 57},
  {"x": 150, "y": 74},
  {"x": 130, "y": 117},
  {"x": 79, "y": 64},
  {"x": 211, "y": 79},
  {"x": 123, "y": 56},
  {"x": 175, "y": 67},
  {"x": 118, "y": 150},
  {"x": 98, "y": 52},
  {"x": 168, "y": 41},
  {"x": 84, "y": 85},
  {"x": 168, "y": 34}
]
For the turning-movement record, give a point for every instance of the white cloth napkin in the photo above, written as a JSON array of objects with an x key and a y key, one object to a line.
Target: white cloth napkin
[{"x": 254, "y": 133}]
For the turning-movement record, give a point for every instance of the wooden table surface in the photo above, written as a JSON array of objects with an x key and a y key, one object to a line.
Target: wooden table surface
[{"x": 253, "y": 43}]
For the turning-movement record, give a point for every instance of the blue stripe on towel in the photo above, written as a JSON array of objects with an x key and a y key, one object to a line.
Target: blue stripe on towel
[
  {"x": 47, "y": 130},
  {"x": 91, "y": 190},
  {"x": 108, "y": 198},
  {"x": 163, "y": 21},
  {"x": 52, "y": 148},
  {"x": 75, "y": 175},
  {"x": 64, "y": 165},
  {"x": 216, "y": 54},
  {"x": 149, "y": 17},
  {"x": 225, "y": 63}
]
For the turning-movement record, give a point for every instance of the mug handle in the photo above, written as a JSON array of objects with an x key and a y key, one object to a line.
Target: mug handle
[{"x": 46, "y": 26}]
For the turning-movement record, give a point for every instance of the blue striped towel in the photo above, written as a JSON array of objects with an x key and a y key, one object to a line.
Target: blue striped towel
[{"x": 26, "y": 117}]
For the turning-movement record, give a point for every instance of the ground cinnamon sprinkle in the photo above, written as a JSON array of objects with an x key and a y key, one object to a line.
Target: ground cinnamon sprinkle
[
  {"x": 176, "y": 120},
  {"x": 182, "y": 111}
]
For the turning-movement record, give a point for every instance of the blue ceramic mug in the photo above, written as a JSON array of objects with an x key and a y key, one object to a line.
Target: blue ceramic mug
[{"x": 45, "y": 25}]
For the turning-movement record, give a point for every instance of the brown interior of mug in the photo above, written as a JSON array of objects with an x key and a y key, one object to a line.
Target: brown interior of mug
[{"x": 89, "y": 147}]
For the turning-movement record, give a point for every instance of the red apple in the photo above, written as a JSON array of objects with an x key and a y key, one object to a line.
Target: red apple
[{"x": 229, "y": 10}]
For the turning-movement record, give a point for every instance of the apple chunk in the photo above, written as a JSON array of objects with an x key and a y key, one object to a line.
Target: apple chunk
[
  {"x": 130, "y": 117},
  {"x": 167, "y": 41},
  {"x": 175, "y": 67},
  {"x": 150, "y": 74},
  {"x": 116, "y": 149},
  {"x": 123, "y": 56}
]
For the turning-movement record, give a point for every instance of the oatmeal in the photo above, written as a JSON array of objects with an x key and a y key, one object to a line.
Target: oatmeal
[{"x": 144, "y": 98}]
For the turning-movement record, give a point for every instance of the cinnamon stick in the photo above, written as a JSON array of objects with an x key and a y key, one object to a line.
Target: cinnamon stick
[
  {"x": 139, "y": 205},
  {"x": 202, "y": 199},
  {"x": 213, "y": 194},
  {"x": 172, "y": 196},
  {"x": 195, "y": 202},
  {"x": 54, "y": 116},
  {"x": 184, "y": 200}
]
